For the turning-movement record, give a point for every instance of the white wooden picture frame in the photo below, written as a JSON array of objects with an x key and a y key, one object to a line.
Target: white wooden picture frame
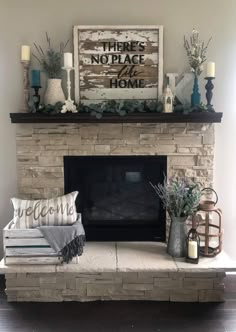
[{"x": 118, "y": 62}]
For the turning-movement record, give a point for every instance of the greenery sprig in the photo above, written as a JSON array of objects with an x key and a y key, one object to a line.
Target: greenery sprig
[
  {"x": 50, "y": 60},
  {"x": 121, "y": 108}
]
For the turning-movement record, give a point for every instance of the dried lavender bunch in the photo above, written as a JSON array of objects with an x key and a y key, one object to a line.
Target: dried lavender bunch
[
  {"x": 196, "y": 52},
  {"x": 50, "y": 60},
  {"x": 180, "y": 197}
]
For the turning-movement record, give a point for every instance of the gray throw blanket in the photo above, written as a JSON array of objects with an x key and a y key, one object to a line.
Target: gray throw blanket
[{"x": 67, "y": 241}]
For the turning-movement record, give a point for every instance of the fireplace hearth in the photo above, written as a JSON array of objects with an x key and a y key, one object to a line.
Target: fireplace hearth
[{"x": 115, "y": 198}]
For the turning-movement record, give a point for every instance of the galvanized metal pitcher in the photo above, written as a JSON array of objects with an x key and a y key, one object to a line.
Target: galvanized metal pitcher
[{"x": 177, "y": 244}]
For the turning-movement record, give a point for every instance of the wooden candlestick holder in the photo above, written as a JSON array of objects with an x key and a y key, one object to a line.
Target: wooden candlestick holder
[
  {"x": 69, "y": 105},
  {"x": 26, "y": 85},
  {"x": 209, "y": 92}
]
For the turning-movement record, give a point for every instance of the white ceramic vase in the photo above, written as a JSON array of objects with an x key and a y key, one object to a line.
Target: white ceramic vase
[{"x": 54, "y": 92}]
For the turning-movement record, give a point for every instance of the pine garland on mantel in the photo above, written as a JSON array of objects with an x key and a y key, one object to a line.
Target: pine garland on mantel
[{"x": 122, "y": 108}]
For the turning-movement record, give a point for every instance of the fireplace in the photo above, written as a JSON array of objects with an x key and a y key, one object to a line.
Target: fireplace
[
  {"x": 42, "y": 148},
  {"x": 115, "y": 197}
]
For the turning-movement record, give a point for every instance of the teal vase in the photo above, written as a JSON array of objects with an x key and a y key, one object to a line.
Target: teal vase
[{"x": 195, "y": 97}]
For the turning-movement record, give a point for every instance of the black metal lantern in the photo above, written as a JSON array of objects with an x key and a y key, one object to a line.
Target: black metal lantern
[{"x": 193, "y": 246}]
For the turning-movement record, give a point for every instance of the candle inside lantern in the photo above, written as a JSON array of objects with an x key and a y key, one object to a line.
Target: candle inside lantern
[
  {"x": 25, "y": 53},
  {"x": 35, "y": 78},
  {"x": 192, "y": 249},
  {"x": 68, "y": 63},
  {"x": 210, "y": 69}
]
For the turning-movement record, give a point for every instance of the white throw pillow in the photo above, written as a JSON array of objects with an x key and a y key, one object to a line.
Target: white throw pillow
[{"x": 54, "y": 211}]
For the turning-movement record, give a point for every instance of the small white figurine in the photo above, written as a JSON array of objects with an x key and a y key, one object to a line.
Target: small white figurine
[{"x": 168, "y": 99}]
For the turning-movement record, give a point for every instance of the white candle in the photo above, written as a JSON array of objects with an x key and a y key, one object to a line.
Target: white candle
[
  {"x": 210, "y": 69},
  {"x": 25, "y": 53},
  {"x": 192, "y": 249},
  {"x": 68, "y": 63}
]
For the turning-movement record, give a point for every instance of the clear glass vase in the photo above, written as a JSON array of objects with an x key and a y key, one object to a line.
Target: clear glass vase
[{"x": 177, "y": 242}]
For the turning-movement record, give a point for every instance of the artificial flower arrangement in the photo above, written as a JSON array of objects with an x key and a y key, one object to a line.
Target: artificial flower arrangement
[{"x": 196, "y": 52}]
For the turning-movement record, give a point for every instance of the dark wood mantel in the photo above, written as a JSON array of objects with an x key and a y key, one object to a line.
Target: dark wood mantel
[{"x": 198, "y": 117}]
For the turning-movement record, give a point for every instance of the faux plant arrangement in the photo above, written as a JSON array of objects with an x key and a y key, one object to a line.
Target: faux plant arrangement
[
  {"x": 50, "y": 60},
  {"x": 196, "y": 52},
  {"x": 180, "y": 197}
]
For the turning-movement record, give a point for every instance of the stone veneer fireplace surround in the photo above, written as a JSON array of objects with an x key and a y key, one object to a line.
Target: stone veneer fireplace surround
[
  {"x": 41, "y": 147},
  {"x": 114, "y": 270}
]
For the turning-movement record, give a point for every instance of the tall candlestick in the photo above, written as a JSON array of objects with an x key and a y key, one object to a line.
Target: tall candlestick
[
  {"x": 210, "y": 69},
  {"x": 69, "y": 105},
  {"x": 209, "y": 93},
  {"x": 68, "y": 63},
  {"x": 26, "y": 84},
  {"x": 25, "y": 53}
]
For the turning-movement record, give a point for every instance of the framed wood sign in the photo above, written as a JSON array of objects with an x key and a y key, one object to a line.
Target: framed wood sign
[{"x": 118, "y": 63}]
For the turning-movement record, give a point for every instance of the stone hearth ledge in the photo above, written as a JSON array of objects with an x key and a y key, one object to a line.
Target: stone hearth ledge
[
  {"x": 120, "y": 271},
  {"x": 101, "y": 257}
]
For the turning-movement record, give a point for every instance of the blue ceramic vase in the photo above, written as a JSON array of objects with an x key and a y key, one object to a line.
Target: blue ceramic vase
[{"x": 195, "y": 97}]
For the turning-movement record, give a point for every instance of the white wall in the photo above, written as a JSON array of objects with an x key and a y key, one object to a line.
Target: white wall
[{"x": 26, "y": 21}]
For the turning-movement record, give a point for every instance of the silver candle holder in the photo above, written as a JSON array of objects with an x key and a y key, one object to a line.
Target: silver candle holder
[
  {"x": 26, "y": 84},
  {"x": 69, "y": 105}
]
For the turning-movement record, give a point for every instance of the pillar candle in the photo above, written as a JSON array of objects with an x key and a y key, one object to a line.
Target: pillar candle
[
  {"x": 192, "y": 249},
  {"x": 210, "y": 69},
  {"x": 68, "y": 63},
  {"x": 25, "y": 53},
  {"x": 35, "y": 82}
]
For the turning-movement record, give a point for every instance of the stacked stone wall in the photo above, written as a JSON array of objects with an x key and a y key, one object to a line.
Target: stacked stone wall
[
  {"x": 41, "y": 147},
  {"x": 157, "y": 286}
]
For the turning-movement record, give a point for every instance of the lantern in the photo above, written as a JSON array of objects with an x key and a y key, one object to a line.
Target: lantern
[
  {"x": 209, "y": 219},
  {"x": 193, "y": 246}
]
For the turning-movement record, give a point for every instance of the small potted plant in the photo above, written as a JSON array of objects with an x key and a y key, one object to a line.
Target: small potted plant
[
  {"x": 180, "y": 197},
  {"x": 50, "y": 61}
]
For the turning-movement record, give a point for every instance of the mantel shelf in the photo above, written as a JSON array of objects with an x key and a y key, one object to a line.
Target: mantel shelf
[{"x": 198, "y": 117}]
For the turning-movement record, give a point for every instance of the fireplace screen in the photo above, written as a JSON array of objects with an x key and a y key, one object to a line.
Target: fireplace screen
[{"x": 115, "y": 197}]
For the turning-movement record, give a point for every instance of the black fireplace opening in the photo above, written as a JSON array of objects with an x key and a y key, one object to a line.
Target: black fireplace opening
[{"x": 115, "y": 198}]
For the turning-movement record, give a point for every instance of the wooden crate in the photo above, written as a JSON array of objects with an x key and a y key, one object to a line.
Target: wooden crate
[{"x": 28, "y": 246}]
